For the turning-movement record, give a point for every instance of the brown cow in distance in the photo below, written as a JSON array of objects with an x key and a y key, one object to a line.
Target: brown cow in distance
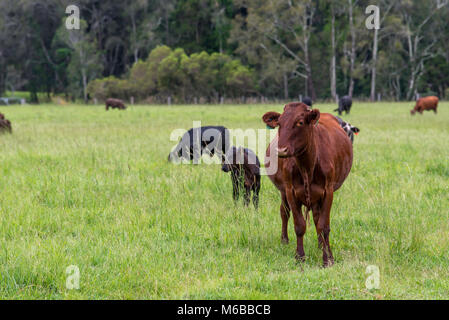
[
  {"x": 314, "y": 157},
  {"x": 5, "y": 124},
  {"x": 426, "y": 103},
  {"x": 115, "y": 103}
]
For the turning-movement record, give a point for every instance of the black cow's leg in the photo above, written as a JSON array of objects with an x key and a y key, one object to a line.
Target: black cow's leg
[
  {"x": 256, "y": 189},
  {"x": 247, "y": 196},
  {"x": 235, "y": 186}
]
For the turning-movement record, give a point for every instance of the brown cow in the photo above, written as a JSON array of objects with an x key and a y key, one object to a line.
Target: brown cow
[
  {"x": 426, "y": 103},
  {"x": 5, "y": 124},
  {"x": 115, "y": 103},
  {"x": 314, "y": 159}
]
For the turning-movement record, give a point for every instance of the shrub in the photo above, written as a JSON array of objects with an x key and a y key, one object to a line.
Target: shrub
[{"x": 173, "y": 73}]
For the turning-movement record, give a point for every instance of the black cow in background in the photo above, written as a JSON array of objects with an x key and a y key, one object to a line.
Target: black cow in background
[
  {"x": 307, "y": 101},
  {"x": 344, "y": 104},
  {"x": 196, "y": 141},
  {"x": 244, "y": 166}
]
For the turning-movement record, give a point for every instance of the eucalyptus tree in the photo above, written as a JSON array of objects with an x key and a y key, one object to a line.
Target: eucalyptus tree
[{"x": 85, "y": 59}]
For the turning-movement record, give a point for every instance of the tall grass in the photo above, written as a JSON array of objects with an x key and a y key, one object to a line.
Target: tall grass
[{"x": 82, "y": 186}]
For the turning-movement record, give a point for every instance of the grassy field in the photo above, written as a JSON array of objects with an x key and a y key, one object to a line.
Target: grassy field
[{"x": 81, "y": 186}]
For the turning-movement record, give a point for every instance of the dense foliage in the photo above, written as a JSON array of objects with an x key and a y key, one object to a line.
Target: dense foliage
[
  {"x": 172, "y": 73},
  {"x": 225, "y": 48}
]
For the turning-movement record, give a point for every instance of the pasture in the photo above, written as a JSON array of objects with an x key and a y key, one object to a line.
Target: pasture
[{"x": 81, "y": 186}]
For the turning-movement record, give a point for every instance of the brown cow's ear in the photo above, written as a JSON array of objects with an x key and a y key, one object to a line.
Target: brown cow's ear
[
  {"x": 313, "y": 116},
  {"x": 271, "y": 119}
]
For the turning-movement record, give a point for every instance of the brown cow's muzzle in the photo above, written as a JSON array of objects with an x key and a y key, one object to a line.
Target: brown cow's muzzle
[{"x": 283, "y": 152}]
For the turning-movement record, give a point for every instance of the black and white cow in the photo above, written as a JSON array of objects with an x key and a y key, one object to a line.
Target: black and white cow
[
  {"x": 349, "y": 129},
  {"x": 196, "y": 141}
]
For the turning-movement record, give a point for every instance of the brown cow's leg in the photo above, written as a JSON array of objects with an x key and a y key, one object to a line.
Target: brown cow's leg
[
  {"x": 323, "y": 229},
  {"x": 316, "y": 217},
  {"x": 285, "y": 215},
  {"x": 300, "y": 224}
]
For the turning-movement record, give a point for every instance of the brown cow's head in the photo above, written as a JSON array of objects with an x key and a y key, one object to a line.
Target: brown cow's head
[{"x": 295, "y": 127}]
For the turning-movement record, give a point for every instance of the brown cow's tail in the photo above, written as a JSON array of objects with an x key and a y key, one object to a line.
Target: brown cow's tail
[{"x": 308, "y": 201}]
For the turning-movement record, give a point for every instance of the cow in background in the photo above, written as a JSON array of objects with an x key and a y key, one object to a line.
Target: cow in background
[
  {"x": 5, "y": 124},
  {"x": 344, "y": 104},
  {"x": 196, "y": 141},
  {"x": 426, "y": 103},
  {"x": 349, "y": 129},
  {"x": 307, "y": 101},
  {"x": 115, "y": 104}
]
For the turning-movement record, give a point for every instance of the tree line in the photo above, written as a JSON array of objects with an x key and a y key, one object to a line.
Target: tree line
[{"x": 190, "y": 50}]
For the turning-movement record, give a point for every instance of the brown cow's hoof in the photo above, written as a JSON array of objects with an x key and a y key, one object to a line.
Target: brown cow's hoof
[
  {"x": 300, "y": 258},
  {"x": 284, "y": 240},
  {"x": 328, "y": 263}
]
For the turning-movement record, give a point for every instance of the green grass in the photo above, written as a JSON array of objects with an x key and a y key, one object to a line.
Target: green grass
[{"x": 81, "y": 186}]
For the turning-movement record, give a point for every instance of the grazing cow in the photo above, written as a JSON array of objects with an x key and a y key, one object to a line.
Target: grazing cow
[
  {"x": 307, "y": 101},
  {"x": 244, "y": 166},
  {"x": 115, "y": 104},
  {"x": 314, "y": 157},
  {"x": 426, "y": 103},
  {"x": 344, "y": 104},
  {"x": 349, "y": 129},
  {"x": 5, "y": 124},
  {"x": 196, "y": 141}
]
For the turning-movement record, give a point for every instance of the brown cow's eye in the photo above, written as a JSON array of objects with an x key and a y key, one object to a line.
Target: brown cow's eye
[{"x": 300, "y": 123}]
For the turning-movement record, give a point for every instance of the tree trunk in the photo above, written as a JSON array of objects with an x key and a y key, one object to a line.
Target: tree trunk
[
  {"x": 311, "y": 89},
  {"x": 285, "y": 86},
  {"x": 167, "y": 29},
  {"x": 333, "y": 59},
  {"x": 411, "y": 54},
  {"x": 352, "y": 30},
  {"x": 134, "y": 37},
  {"x": 136, "y": 55},
  {"x": 373, "y": 70},
  {"x": 84, "y": 76}
]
